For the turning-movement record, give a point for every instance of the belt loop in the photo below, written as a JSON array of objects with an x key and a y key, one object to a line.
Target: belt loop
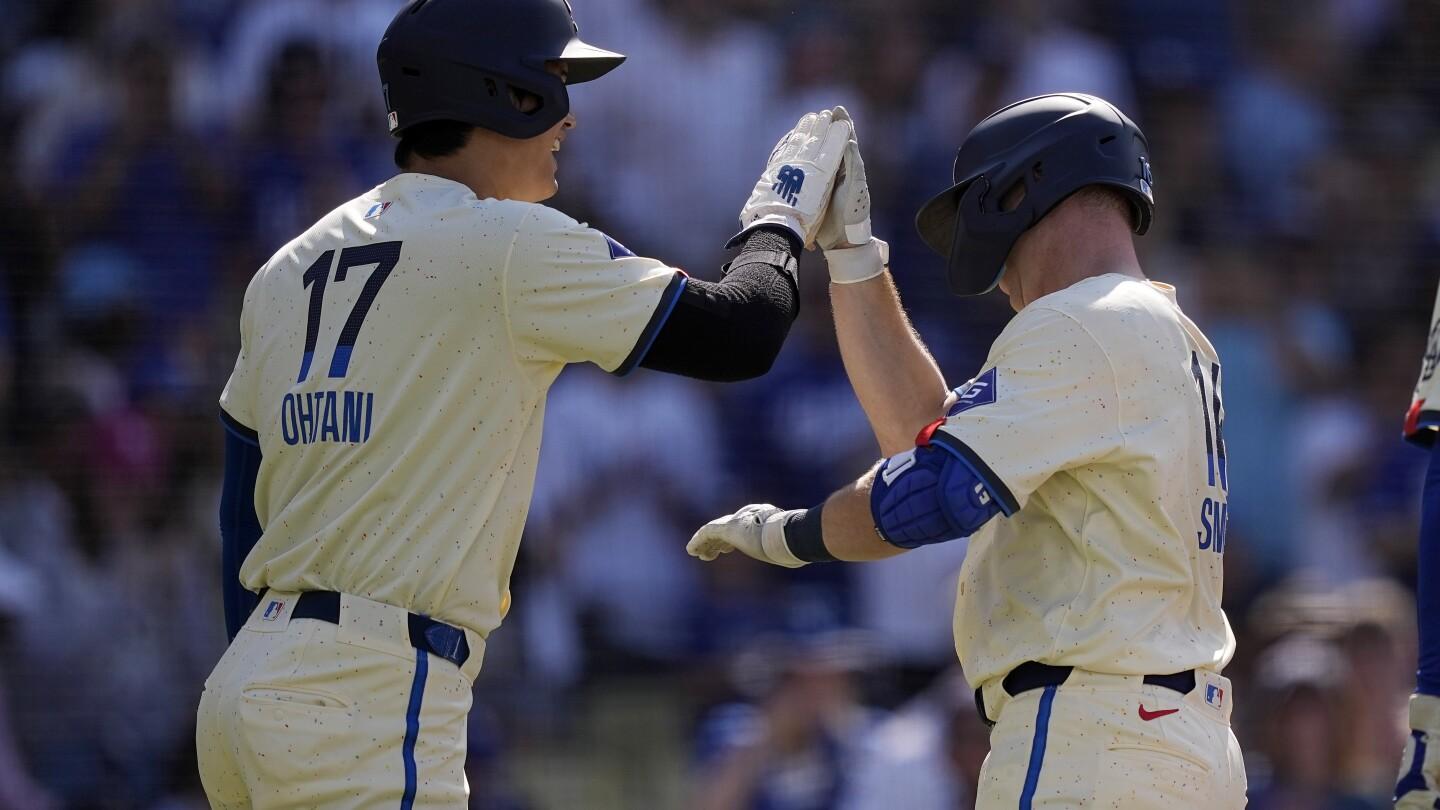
[
  {"x": 980, "y": 707},
  {"x": 471, "y": 668}
]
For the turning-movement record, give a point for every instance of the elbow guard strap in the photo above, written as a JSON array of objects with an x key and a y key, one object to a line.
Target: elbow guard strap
[{"x": 928, "y": 495}]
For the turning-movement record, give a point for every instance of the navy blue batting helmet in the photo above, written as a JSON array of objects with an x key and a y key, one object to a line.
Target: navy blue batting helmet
[
  {"x": 460, "y": 60},
  {"x": 1052, "y": 146}
]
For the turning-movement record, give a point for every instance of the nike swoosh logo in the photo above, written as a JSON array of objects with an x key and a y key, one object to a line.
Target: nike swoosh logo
[{"x": 1148, "y": 715}]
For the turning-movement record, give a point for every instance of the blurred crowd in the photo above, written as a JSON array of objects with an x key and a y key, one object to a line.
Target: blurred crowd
[{"x": 158, "y": 151}]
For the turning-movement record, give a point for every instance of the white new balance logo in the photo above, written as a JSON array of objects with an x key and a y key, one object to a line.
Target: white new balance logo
[{"x": 897, "y": 465}]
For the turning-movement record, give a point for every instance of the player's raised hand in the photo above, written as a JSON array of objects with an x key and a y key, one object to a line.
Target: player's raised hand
[
  {"x": 795, "y": 188},
  {"x": 1419, "y": 784},
  {"x": 852, "y": 253},
  {"x": 757, "y": 529}
]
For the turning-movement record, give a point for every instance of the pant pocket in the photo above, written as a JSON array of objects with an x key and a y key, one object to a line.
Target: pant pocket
[
  {"x": 291, "y": 697},
  {"x": 1160, "y": 753},
  {"x": 297, "y": 747}
]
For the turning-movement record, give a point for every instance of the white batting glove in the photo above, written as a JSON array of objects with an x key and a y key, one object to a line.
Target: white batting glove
[
  {"x": 757, "y": 529},
  {"x": 795, "y": 188},
  {"x": 852, "y": 253},
  {"x": 1419, "y": 784}
]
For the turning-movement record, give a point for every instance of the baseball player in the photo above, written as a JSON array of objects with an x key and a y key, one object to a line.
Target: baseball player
[
  {"x": 384, "y": 415},
  {"x": 1419, "y": 782},
  {"x": 1086, "y": 461}
]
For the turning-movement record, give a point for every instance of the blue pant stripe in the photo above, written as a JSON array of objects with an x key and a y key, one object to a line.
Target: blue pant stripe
[
  {"x": 1037, "y": 748},
  {"x": 412, "y": 728}
]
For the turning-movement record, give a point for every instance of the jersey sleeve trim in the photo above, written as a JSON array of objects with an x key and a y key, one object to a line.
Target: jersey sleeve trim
[
  {"x": 1424, "y": 433},
  {"x": 1421, "y": 424},
  {"x": 1008, "y": 504},
  {"x": 239, "y": 430},
  {"x": 668, "y": 299}
]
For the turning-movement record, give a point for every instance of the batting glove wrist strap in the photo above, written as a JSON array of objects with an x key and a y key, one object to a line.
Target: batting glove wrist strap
[
  {"x": 772, "y": 539},
  {"x": 758, "y": 530},
  {"x": 855, "y": 264},
  {"x": 794, "y": 190}
]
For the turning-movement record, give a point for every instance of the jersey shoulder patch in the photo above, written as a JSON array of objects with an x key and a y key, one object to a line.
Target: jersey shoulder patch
[{"x": 973, "y": 394}]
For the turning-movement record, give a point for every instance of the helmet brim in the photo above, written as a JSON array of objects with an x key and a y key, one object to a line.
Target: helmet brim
[{"x": 585, "y": 62}]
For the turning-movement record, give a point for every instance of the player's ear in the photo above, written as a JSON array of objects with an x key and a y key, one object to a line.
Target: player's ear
[{"x": 525, "y": 101}]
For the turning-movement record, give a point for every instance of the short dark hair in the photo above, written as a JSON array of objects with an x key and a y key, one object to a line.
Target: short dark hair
[{"x": 431, "y": 139}]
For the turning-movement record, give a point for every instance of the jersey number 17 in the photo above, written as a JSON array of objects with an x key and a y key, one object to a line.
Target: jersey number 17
[{"x": 384, "y": 255}]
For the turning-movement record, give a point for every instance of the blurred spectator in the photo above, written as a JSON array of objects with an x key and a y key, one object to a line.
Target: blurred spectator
[
  {"x": 485, "y": 765},
  {"x": 1274, "y": 119},
  {"x": 141, "y": 181},
  {"x": 1055, "y": 54},
  {"x": 907, "y": 602},
  {"x": 925, "y": 756},
  {"x": 625, "y": 470},
  {"x": 19, "y": 596},
  {"x": 793, "y": 746},
  {"x": 298, "y": 163},
  {"x": 261, "y": 29},
  {"x": 681, "y": 136},
  {"x": 1303, "y": 743}
]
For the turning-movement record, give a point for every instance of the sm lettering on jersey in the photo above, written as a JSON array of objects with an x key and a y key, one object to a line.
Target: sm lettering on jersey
[
  {"x": 343, "y": 417},
  {"x": 1214, "y": 507}
]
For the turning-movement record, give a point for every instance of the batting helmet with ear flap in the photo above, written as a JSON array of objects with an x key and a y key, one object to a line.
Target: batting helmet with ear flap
[
  {"x": 1037, "y": 151},
  {"x": 467, "y": 60}
]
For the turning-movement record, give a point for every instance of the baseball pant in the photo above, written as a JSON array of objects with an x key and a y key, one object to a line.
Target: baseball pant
[
  {"x": 1112, "y": 741},
  {"x": 307, "y": 713}
]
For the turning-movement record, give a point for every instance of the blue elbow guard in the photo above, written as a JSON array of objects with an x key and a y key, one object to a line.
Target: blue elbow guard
[{"x": 928, "y": 495}]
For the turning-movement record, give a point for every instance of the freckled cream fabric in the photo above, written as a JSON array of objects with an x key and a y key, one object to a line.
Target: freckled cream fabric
[
  {"x": 1105, "y": 438},
  {"x": 312, "y": 714},
  {"x": 407, "y": 479},
  {"x": 1101, "y": 754},
  {"x": 1423, "y": 419}
]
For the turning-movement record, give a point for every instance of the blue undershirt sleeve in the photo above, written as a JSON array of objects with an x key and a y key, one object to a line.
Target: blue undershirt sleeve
[
  {"x": 1427, "y": 581},
  {"x": 239, "y": 525}
]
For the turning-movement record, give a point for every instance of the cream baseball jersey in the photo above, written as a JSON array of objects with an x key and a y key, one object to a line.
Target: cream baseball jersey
[
  {"x": 1096, "y": 425},
  {"x": 394, "y": 364},
  {"x": 1423, "y": 418}
]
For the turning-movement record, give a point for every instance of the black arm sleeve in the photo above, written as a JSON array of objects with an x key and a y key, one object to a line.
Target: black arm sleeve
[
  {"x": 239, "y": 525},
  {"x": 733, "y": 329}
]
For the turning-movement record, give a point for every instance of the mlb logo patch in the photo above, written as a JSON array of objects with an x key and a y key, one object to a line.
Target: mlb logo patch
[
  {"x": 1147, "y": 180},
  {"x": 977, "y": 392},
  {"x": 273, "y": 610},
  {"x": 376, "y": 210},
  {"x": 394, "y": 120},
  {"x": 1214, "y": 695}
]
